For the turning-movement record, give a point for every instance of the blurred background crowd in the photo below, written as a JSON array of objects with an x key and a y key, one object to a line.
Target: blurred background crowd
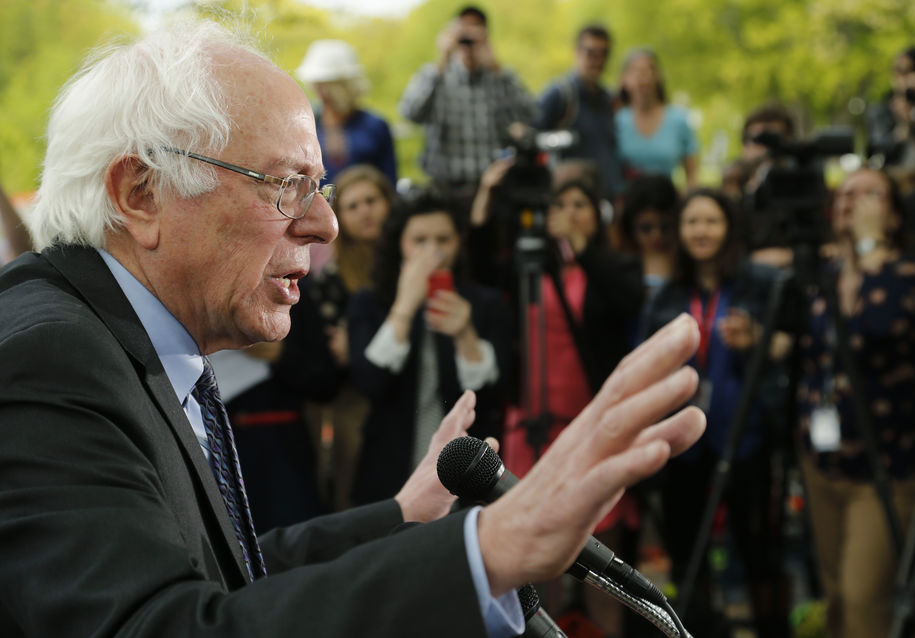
[{"x": 524, "y": 241}]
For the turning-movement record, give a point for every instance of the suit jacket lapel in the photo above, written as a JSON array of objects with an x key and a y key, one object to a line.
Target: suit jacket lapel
[{"x": 88, "y": 274}]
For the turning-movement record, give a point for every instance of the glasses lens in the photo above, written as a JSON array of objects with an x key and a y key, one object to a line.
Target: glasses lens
[
  {"x": 296, "y": 195},
  {"x": 329, "y": 192}
]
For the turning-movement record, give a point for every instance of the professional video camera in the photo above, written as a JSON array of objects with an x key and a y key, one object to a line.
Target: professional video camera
[
  {"x": 528, "y": 181},
  {"x": 787, "y": 207},
  {"x": 525, "y": 190}
]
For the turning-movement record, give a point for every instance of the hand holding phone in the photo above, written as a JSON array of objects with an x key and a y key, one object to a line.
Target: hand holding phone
[{"x": 439, "y": 280}]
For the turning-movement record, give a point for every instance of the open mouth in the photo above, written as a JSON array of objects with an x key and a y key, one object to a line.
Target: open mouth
[{"x": 290, "y": 280}]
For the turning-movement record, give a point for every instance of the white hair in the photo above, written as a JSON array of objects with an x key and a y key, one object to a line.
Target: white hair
[{"x": 135, "y": 99}]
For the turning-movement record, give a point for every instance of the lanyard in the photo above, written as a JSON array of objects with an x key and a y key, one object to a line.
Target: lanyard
[{"x": 706, "y": 323}]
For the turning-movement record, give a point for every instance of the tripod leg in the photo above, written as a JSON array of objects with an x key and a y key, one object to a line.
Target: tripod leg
[{"x": 748, "y": 393}]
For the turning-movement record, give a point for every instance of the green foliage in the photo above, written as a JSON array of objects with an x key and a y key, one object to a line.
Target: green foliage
[
  {"x": 720, "y": 57},
  {"x": 42, "y": 42}
]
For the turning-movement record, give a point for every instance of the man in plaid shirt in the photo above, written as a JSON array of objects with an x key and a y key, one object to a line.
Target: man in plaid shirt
[{"x": 466, "y": 102}]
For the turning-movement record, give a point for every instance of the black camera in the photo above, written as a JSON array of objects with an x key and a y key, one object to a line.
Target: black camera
[
  {"x": 528, "y": 182},
  {"x": 787, "y": 208}
]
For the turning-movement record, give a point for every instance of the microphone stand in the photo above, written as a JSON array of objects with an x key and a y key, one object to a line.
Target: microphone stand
[{"x": 664, "y": 619}]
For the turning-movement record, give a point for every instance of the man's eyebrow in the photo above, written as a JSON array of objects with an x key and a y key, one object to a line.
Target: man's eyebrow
[{"x": 314, "y": 170}]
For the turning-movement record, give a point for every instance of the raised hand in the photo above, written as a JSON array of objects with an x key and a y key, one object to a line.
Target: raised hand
[
  {"x": 625, "y": 434},
  {"x": 423, "y": 497}
]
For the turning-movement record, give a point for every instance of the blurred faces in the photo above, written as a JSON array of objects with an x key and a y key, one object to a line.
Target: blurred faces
[
  {"x": 703, "y": 229},
  {"x": 641, "y": 77},
  {"x": 472, "y": 41},
  {"x": 861, "y": 185},
  {"x": 362, "y": 210},
  {"x": 571, "y": 212},
  {"x": 653, "y": 232},
  {"x": 903, "y": 74},
  {"x": 431, "y": 231},
  {"x": 337, "y": 96},
  {"x": 591, "y": 57},
  {"x": 226, "y": 263}
]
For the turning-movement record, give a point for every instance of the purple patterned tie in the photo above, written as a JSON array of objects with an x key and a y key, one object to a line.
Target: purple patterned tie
[{"x": 226, "y": 469}]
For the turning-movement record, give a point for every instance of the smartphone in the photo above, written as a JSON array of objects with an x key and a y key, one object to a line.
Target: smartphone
[{"x": 439, "y": 280}]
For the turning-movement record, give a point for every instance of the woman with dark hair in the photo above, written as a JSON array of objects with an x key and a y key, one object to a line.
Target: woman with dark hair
[
  {"x": 726, "y": 298},
  {"x": 875, "y": 298},
  {"x": 589, "y": 295},
  {"x": 364, "y": 200},
  {"x": 654, "y": 137},
  {"x": 647, "y": 226},
  {"x": 420, "y": 337}
]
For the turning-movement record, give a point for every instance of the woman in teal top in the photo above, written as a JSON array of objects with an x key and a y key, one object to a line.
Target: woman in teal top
[{"x": 654, "y": 137}]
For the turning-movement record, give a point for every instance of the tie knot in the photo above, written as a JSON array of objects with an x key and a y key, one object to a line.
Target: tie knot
[{"x": 206, "y": 384}]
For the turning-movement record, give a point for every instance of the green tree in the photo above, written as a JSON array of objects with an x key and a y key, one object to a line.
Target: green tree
[
  {"x": 42, "y": 43},
  {"x": 720, "y": 57}
]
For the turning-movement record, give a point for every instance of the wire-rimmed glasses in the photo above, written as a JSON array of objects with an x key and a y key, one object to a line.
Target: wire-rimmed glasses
[{"x": 296, "y": 191}]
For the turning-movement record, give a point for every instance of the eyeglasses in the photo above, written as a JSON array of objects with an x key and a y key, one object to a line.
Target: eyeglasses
[{"x": 296, "y": 191}]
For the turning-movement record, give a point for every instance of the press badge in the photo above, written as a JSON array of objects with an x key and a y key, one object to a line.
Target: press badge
[{"x": 825, "y": 434}]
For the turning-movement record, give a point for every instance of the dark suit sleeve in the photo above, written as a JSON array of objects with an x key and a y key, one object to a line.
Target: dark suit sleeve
[
  {"x": 327, "y": 537},
  {"x": 94, "y": 541}
]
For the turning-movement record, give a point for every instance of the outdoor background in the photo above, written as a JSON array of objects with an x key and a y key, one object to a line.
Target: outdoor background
[{"x": 826, "y": 59}]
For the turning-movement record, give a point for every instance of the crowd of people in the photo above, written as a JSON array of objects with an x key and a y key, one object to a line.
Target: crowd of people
[{"x": 526, "y": 274}]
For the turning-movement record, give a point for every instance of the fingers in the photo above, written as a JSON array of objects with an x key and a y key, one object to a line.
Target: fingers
[
  {"x": 668, "y": 349},
  {"x": 446, "y": 301},
  {"x": 621, "y": 425},
  {"x": 617, "y": 472},
  {"x": 492, "y": 442},
  {"x": 680, "y": 430},
  {"x": 456, "y": 422}
]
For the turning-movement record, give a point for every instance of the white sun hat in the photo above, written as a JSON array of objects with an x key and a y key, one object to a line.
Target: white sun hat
[{"x": 328, "y": 61}]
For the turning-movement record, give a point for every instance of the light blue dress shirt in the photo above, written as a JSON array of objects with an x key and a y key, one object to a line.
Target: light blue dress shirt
[{"x": 183, "y": 365}]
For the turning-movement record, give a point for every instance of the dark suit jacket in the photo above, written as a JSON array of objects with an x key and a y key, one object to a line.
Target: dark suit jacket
[{"x": 110, "y": 519}]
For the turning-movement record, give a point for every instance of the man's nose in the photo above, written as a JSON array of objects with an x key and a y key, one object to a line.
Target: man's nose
[{"x": 319, "y": 222}]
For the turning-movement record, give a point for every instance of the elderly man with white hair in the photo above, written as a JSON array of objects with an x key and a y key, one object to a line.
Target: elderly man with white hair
[{"x": 179, "y": 198}]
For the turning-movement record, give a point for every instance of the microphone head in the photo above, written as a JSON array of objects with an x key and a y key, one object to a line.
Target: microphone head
[
  {"x": 468, "y": 468},
  {"x": 530, "y": 601}
]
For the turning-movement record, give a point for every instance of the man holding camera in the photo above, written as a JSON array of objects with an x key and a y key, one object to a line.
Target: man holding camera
[{"x": 467, "y": 102}]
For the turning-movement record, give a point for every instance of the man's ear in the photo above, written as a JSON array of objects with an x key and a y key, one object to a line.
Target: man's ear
[{"x": 127, "y": 183}]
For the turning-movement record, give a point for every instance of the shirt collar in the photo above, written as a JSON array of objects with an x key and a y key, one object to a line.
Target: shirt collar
[{"x": 177, "y": 351}]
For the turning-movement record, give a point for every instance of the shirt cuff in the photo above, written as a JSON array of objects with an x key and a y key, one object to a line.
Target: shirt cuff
[
  {"x": 473, "y": 375},
  {"x": 385, "y": 351},
  {"x": 502, "y": 616}
]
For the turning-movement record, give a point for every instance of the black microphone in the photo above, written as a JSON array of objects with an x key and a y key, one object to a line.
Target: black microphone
[
  {"x": 471, "y": 470},
  {"x": 538, "y": 623}
]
